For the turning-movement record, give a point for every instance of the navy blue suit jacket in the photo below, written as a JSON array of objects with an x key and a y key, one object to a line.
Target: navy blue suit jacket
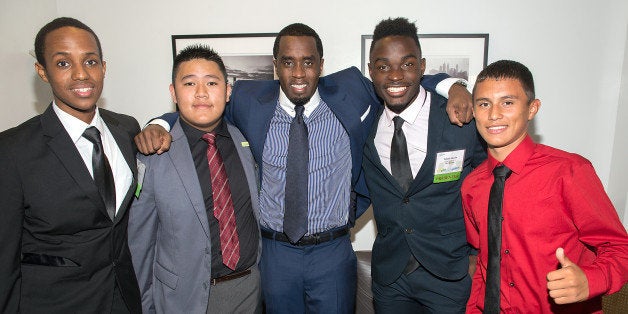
[
  {"x": 348, "y": 94},
  {"x": 427, "y": 220}
]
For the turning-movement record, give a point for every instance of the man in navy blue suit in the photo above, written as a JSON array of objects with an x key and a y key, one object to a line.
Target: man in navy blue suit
[
  {"x": 317, "y": 271},
  {"x": 414, "y": 164}
]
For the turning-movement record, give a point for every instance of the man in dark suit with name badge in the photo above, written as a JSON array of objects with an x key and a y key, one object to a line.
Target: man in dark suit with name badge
[
  {"x": 414, "y": 163},
  {"x": 67, "y": 178}
]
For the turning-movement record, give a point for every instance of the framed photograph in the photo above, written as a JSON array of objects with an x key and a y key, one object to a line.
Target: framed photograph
[
  {"x": 246, "y": 56},
  {"x": 459, "y": 55}
]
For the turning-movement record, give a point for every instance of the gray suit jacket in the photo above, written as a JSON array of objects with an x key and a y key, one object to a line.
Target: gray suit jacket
[{"x": 169, "y": 233}]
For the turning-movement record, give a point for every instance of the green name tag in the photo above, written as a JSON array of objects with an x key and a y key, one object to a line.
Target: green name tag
[{"x": 446, "y": 177}]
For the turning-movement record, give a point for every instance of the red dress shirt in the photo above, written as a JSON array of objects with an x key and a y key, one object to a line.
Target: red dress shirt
[{"x": 552, "y": 199}]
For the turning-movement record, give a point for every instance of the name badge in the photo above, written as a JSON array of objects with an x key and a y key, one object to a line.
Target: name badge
[
  {"x": 141, "y": 170},
  {"x": 448, "y": 166}
]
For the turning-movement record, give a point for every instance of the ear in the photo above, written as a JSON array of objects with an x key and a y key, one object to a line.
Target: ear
[
  {"x": 229, "y": 88},
  {"x": 422, "y": 66},
  {"x": 173, "y": 94},
  {"x": 533, "y": 108},
  {"x": 104, "y": 67},
  {"x": 275, "y": 67},
  {"x": 370, "y": 70},
  {"x": 41, "y": 71},
  {"x": 322, "y": 62}
]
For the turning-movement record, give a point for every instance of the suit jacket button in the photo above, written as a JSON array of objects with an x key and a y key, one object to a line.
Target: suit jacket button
[
  {"x": 406, "y": 200},
  {"x": 408, "y": 230}
]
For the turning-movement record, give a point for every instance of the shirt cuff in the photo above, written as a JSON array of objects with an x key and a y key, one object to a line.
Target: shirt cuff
[
  {"x": 598, "y": 283},
  {"x": 161, "y": 122},
  {"x": 442, "y": 88}
]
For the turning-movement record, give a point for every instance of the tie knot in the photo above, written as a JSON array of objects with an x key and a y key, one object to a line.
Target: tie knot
[
  {"x": 398, "y": 122},
  {"x": 502, "y": 171},
  {"x": 92, "y": 134},
  {"x": 299, "y": 110},
  {"x": 210, "y": 138}
]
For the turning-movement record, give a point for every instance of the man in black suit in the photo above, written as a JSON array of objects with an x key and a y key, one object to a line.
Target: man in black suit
[
  {"x": 414, "y": 163},
  {"x": 67, "y": 178}
]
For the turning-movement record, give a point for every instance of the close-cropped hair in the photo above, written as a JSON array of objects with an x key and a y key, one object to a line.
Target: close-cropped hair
[
  {"x": 298, "y": 29},
  {"x": 508, "y": 69},
  {"x": 399, "y": 26},
  {"x": 40, "y": 39},
  {"x": 197, "y": 52}
]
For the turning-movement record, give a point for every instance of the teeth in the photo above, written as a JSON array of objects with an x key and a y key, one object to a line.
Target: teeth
[
  {"x": 300, "y": 86},
  {"x": 83, "y": 90},
  {"x": 497, "y": 128},
  {"x": 396, "y": 89}
]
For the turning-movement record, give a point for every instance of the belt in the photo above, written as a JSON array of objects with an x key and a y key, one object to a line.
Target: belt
[
  {"x": 313, "y": 239},
  {"x": 232, "y": 276}
]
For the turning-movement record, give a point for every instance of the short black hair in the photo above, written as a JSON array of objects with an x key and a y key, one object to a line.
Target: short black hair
[
  {"x": 399, "y": 26},
  {"x": 40, "y": 39},
  {"x": 197, "y": 52},
  {"x": 298, "y": 29},
  {"x": 508, "y": 69}
]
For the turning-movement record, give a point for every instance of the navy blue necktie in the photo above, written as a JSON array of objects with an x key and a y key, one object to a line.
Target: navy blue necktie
[
  {"x": 399, "y": 160},
  {"x": 103, "y": 176},
  {"x": 296, "y": 199},
  {"x": 495, "y": 199}
]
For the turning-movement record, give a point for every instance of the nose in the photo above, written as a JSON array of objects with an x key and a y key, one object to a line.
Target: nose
[
  {"x": 494, "y": 112},
  {"x": 298, "y": 70},
  {"x": 395, "y": 74},
  {"x": 201, "y": 91},
  {"x": 79, "y": 72}
]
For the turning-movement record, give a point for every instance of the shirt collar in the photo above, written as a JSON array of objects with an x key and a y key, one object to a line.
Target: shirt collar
[
  {"x": 518, "y": 158},
  {"x": 410, "y": 114},
  {"x": 193, "y": 134},
  {"x": 75, "y": 126},
  {"x": 288, "y": 106}
]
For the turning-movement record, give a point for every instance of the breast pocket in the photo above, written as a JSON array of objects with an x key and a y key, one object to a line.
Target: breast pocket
[{"x": 165, "y": 276}]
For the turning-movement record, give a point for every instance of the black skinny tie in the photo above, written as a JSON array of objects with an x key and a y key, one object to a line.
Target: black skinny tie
[
  {"x": 399, "y": 160},
  {"x": 295, "y": 215},
  {"x": 103, "y": 177},
  {"x": 492, "y": 296}
]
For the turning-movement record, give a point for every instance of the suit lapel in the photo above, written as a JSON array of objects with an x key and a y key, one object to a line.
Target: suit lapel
[
  {"x": 373, "y": 156},
  {"x": 183, "y": 162},
  {"x": 436, "y": 126},
  {"x": 62, "y": 146},
  {"x": 124, "y": 143}
]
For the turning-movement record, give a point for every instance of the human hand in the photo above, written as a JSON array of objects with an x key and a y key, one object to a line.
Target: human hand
[
  {"x": 473, "y": 262},
  {"x": 568, "y": 284},
  {"x": 459, "y": 106},
  {"x": 153, "y": 139}
]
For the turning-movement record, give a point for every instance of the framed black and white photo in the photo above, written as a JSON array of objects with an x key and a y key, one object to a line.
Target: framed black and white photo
[
  {"x": 246, "y": 56},
  {"x": 459, "y": 55}
]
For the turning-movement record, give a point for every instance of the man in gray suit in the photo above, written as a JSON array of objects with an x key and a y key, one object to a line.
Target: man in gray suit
[{"x": 193, "y": 227}]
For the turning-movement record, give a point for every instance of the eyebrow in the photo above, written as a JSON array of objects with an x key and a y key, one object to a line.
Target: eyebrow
[
  {"x": 194, "y": 75},
  {"x": 406, "y": 57}
]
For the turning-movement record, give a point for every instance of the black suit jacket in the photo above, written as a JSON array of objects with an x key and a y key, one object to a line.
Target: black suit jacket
[
  {"x": 61, "y": 253},
  {"x": 427, "y": 220}
]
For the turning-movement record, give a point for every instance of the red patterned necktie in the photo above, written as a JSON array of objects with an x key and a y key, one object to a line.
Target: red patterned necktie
[{"x": 223, "y": 205}]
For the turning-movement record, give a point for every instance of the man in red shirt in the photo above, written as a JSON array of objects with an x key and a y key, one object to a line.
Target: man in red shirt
[{"x": 562, "y": 244}]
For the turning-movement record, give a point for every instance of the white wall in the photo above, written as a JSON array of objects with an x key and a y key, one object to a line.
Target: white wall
[{"x": 575, "y": 49}]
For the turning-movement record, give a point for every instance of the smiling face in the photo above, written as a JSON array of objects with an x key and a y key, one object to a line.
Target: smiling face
[
  {"x": 502, "y": 113},
  {"x": 74, "y": 69},
  {"x": 298, "y": 66},
  {"x": 396, "y": 68},
  {"x": 201, "y": 92}
]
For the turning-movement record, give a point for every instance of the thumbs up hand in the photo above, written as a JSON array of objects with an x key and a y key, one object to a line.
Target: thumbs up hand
[{"x": 568, "y": 284}]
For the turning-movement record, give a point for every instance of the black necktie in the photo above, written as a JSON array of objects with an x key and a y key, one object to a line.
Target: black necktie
[
  {"x": 103, "y": 177},
  {"x": 492, "y": 296},
  {"x": 399, "y": 160},
  {"x": 295, "y": 215}
]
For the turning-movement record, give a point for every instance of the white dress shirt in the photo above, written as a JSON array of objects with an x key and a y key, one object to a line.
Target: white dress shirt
[
  {"x": 122, "y": 174},
  {"x": 415, "y": 128}
]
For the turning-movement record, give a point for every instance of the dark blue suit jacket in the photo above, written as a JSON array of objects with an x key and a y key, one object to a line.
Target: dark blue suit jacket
[
  {"x": 427, "y": 220},
  {"x": 349, "y": 95}
]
